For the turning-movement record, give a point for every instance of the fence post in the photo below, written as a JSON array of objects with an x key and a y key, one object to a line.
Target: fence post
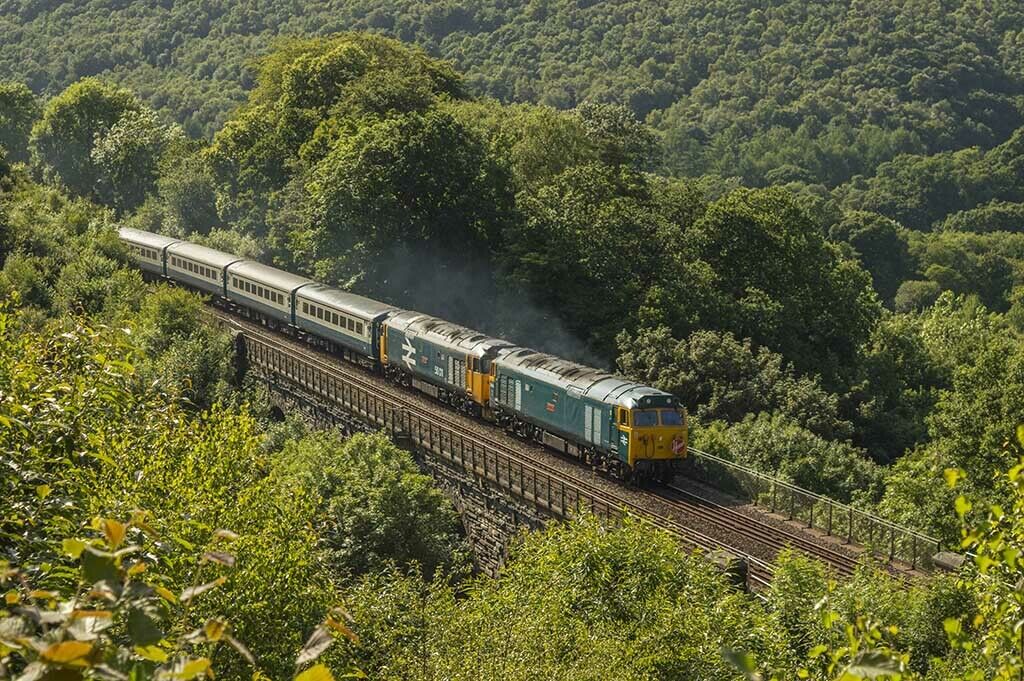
[
  {"x": 849, "y": 528},
  {"x": 830, "y": 507}
]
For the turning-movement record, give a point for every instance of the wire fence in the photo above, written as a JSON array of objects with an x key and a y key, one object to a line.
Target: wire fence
[{"x": 887, "y": 540}]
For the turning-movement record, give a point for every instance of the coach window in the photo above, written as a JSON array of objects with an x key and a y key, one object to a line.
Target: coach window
[{"x": 359, "y": 328}]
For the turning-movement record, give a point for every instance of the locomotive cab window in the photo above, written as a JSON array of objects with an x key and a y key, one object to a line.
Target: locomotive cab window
[
  {"x": 645, "y": 418},
  {"x": 623, "y": 416},
  {"x": 671, "y": 417}
]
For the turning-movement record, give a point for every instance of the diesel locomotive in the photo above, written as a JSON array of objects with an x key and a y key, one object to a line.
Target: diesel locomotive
[{"x": 627, "y": 429}]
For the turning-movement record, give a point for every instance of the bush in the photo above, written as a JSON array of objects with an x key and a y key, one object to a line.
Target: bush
[
  {"x": 913, "y": 296},
  {"x": 774, "y": 445},
  {"x": 377, "y": 509}
]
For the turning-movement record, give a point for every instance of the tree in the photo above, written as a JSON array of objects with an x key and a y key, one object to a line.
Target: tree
[
  {"x": 186, "y": 353},
  {"x": 576, "y": 250},
  {"x": 994, "y": 534},
  {"x": 899, "y": 385},
  {"x": 19, "y": 109},
  {"x": 719, "y": 378},
  {"x": 63, "y": 139},
  {"x": 537, "y": 143},
  {"x": 128, "y": 157},
  {"x": 972, "y": 417},
  {"x": 880, "y": 248},
  {"x": 775, "y": 445},
  {"x": 576, "y": 600},
  {"x": 94, "y": 283},
  {"x": 422, "y": 181},
  {"x": 187, "y": 192},
  {"x": 376, "y": 508},
  {"x": 618, "y": 136},
  {"x": 916, "y": 295},
  {"x": 770, "y": 276}
]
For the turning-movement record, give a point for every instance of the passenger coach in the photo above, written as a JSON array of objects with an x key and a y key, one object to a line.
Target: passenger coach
[
  {"x": 198, "y": 266},
  {"x": 148, "y": 249},
  {"x": 345, "y": 320},
  {"x": 264, "y": 289}
]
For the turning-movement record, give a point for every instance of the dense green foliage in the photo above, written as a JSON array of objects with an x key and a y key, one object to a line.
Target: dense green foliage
[
  {"x": 775, "y": 93},
  {"x": 85, "y": 433},
  {"x": 379, "y": 510}
]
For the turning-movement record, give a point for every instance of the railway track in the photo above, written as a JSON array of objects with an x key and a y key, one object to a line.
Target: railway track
[
  {"x": 758, "y": 530},
  {"x": 447, "y": 429}
]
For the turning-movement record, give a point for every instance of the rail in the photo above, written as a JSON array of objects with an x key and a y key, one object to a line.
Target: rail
[
  {"x": 530, "y": 481},
  {"x": 882, "y": 537}
]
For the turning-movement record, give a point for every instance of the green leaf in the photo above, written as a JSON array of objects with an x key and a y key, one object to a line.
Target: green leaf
[
  {"x": 316, "y": 673},
  {"x": 193, "y": 668},
  {"x": 193, "y": 591},
  {"x": 73, "y": 547},
  {"x": 151, "y": 653},
  {"x": 98, "y": 566},
  {"x": 319, "y": 641},
  {"x": 872, "y": 664},
  {"x": 143, "y": 627},
  {"x": 953, "y": 476},
  {"x": 744, "y": 662},
  {"x": 962, "y": 506}
]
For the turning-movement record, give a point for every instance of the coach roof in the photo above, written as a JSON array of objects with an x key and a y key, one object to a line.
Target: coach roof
[
  {"x": 360, "y": 306},
  {"x": 202, "y": 254},
  {"x": 137, "y": 236},
  {"x": 269, "y": 276}
]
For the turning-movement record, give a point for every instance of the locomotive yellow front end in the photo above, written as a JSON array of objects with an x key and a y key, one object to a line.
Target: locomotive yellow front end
[{"x": 653, "y": 437}]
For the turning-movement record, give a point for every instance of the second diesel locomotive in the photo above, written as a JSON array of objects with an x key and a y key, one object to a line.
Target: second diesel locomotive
[{"x": 616, "y": 425}]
